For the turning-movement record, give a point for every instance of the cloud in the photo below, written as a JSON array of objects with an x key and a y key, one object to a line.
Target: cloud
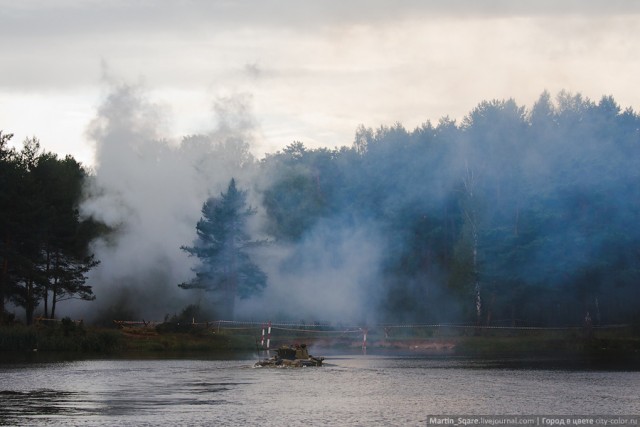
[
  {"x": 314, "y": 71},
  {"x": 96, "y": 18}
]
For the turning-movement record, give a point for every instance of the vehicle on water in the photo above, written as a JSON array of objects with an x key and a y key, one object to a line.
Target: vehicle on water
[{"x": 296, "y": 356}]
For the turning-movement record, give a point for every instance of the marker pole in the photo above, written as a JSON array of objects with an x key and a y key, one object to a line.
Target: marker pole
[
  {"x": 364, "y": 341},
  {"x": 269, "y": 335}
]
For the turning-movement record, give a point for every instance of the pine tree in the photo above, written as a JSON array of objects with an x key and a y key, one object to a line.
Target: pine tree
[{"x": 225, "y": 267}]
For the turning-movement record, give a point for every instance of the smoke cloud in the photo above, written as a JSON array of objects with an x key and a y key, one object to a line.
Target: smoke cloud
[
  {"x": 331, "y": 275},
  {"x": 390, "y": 225},
  {"x": 150, "y": 189}
]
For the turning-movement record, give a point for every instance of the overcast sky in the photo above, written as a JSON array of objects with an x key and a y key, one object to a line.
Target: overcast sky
[{"x": 307, "y": 70}]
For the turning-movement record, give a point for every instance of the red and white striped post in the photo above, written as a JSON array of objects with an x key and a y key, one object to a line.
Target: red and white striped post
[
  {"x": 269, "y": 335},
  {"x": 262, "y": 339},
  {"x": 364, "y": 340}
]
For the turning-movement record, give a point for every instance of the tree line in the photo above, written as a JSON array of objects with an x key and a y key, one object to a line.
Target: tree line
[
  {"x": 44, "y": 256},
  {"x": 512, "y": 216},
  {"x": 509, "y": 216}
]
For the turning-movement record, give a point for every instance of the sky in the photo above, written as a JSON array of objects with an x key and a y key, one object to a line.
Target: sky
[{"x": 309, "y": 71}]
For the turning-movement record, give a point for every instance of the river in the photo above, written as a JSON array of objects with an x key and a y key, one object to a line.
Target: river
[{"x": 348, "y": 390}]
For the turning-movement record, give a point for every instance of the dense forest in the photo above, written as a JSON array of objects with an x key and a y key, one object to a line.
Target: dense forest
[{"x": 512, "y": 216}]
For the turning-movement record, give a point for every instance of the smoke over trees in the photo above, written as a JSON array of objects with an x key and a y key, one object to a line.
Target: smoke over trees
[
  {"x": 511, "y": 216},
  {"x": 514, "y": 215}
]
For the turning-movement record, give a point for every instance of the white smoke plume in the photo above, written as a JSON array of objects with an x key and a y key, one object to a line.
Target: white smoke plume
[
  {"x": 150, "y": 190},
  {"x": 332, "y": 275}
]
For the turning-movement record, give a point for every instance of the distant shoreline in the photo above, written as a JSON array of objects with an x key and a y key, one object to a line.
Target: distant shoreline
[{"x": 32, "y": 344}]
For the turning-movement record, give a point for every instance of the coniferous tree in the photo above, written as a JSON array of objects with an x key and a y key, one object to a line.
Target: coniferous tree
[
  {"x": 64, "y": 241},
  {"x": 225, "y": 267},
  {"x": 10, "y": 191}
]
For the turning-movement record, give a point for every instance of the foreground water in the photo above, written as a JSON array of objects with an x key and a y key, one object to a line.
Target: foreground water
[{"x": 349, "y": 390}]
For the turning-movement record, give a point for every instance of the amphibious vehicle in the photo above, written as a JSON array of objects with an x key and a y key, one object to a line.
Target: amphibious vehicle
[{"x": 291, "y": 356}]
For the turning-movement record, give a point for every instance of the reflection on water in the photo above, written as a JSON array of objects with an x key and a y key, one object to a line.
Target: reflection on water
[
  {"x": 350, "y": 390},
  {"x": 44, "y": 402}
]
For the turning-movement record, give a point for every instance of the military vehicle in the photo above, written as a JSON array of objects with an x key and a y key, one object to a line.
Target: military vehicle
[{"x": 291, "y": 356}]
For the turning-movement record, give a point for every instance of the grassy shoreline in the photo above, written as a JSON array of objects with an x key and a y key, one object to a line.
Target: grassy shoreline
[
  {"x": 73, "y": 339},
  {"x": 80, "y": 339}
]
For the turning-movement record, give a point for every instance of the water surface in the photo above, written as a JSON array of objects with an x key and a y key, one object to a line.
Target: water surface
[{"x": 349, "y": 390}]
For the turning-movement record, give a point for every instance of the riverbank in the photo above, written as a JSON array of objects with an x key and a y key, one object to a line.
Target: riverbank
[
  {"x": 74, "y": 338},
  {"x": 610, "y": 348}
]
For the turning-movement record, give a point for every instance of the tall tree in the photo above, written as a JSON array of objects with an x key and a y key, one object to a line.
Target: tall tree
[
  {"x": 298, "y": 185},
  {"x": 64, "y": 244},
  {"x": 24, "y": 275},
  {"x": 10, "y": 173},
  {"x": 221, "y": 247}
]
